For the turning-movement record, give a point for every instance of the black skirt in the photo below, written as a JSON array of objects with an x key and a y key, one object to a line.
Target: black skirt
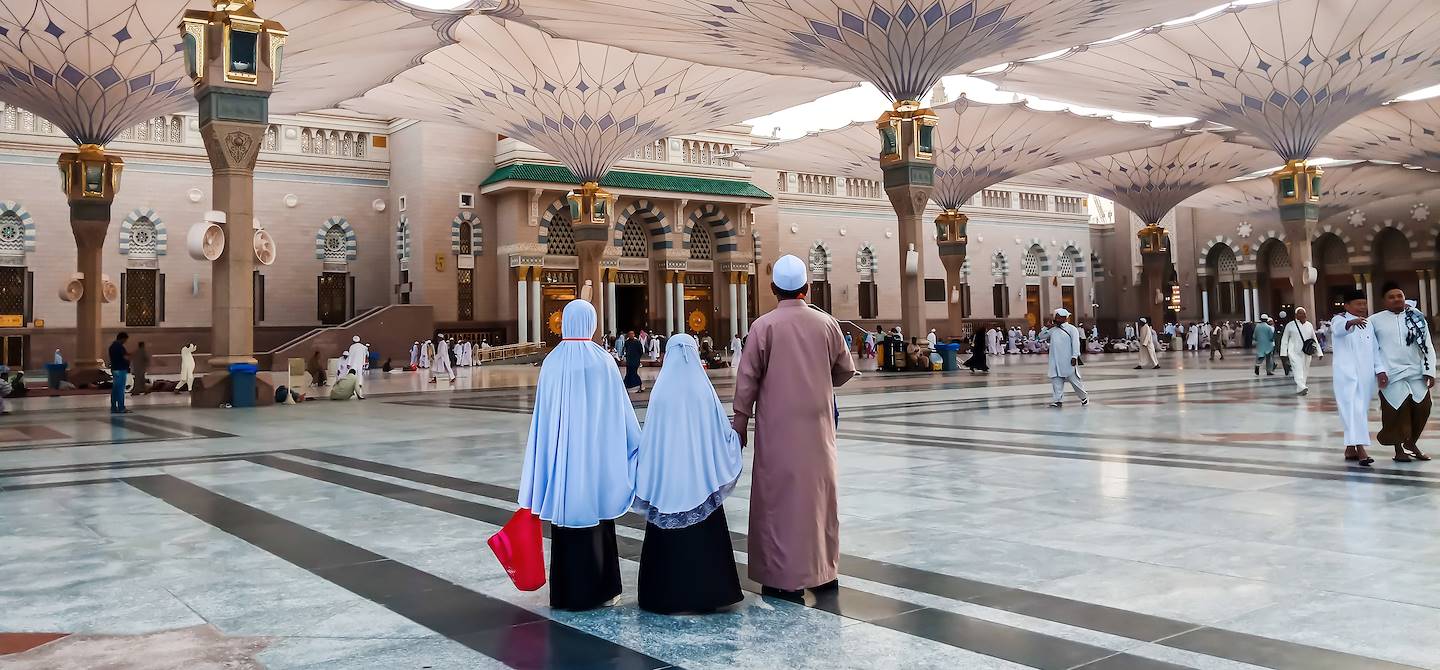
[
  {"x": 584, "y": 566},
  {"x": 977, "y": 361},
  {"x": 632, "y": 374},
  {"x": 689, "y": 569}
]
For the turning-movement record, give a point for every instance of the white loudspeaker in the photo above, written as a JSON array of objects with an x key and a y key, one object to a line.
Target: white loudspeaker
[
  {"x": 587, "y": 291},
  {"x": 205, "y": 241},
  {"x": 74, "y": 288},
  {"x": 1311, "y": 275},
  {"x": 912, "y": 261},
  {"x": 955, "y": 296},
  {"x": 264, "y": 247},
  {"x": 109, "y": 292},
  {"x": 215, "y": 216}
]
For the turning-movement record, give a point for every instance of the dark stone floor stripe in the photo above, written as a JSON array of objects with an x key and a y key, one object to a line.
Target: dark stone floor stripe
[
  {"x": 510, "y": 634},
  {"x": 125, "y": 422},
  {"x": 1013, "y": 644},
  {"x": 1090, "y": 616},
  {"x": 1214, "y": 463},
  {"x": 58, "y": 485},
  {"x": 1271, "y": 653},
  {"x": 188, "y": 428},
  {"x": 116, "y": 465}
]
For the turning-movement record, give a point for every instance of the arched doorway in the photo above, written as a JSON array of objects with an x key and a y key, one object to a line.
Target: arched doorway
[
  {"x": 1069, "y": 263},
  {"x": 466, "y": 241},
  {"x": 820, "y": 276},
  {"x": 999, "y": 293},
  {"x": 1393, "y": 262},
  {"x": 1033, "y": 261},
  {"x": 335, "y": 247},
  {"x": 560, "y": 285},
  {"x": 699, "y": 301},
  {"x": 17, "y": 239},
  {"x": 142, "y": 288},
  {"x": 1276, "y": 291},
  {"x": 1332, "y": 260},
  {"x": 1226, "y": 290},
  {"x": 640, "y": 282},
  {"x": 869, "y": 293}
]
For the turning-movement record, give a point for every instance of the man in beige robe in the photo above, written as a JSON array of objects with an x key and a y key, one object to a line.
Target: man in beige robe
[{"x": 794, "y": 357}]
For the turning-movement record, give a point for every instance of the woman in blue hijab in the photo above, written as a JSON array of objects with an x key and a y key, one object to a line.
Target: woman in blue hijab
[
  {"x": 689, "y": 463},
  {"x": 580, "y": 463}
]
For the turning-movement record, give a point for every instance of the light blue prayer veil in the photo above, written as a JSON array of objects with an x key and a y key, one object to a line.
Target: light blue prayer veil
[
  {"x": 580, "y": 456},
  {"x": 689, "y": 455}
]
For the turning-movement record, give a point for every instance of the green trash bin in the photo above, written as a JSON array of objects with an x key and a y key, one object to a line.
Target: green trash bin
[{"x": 242, "y": 384}]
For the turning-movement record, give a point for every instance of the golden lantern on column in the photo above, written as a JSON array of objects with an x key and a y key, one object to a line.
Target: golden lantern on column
[{"x": 250, "y": 47}]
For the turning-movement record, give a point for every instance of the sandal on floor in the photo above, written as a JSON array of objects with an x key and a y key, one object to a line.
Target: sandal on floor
[
  {"x": 1366, "y": 462},
  {"x": 1417, "y": 454},
  {"x": 1402, "y": 458}
]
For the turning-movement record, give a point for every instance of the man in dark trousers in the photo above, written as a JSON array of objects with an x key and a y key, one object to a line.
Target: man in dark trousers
[{"x": 119, "y": 370}]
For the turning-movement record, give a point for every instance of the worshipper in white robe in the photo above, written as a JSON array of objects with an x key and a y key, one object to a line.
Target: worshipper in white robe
[
  {"x": 342, "y": 365},
  {"x": 1407, "y": 353},
  {"x": 1300, "y": 336},
  {"x": 357, "y": 357},
  {"x": 1064, "y": 340},
  {"x": 933, "y": 339},
  {"x": 1357, "y": 365},
  {"x": 440, "y": 365},
  {"x": 1323, "y": 335},
  {"x": 414, "y": 354},
  {"x": 1149, "y": 347},
  {"x": 689, "y": 462},
  {"x": 1014, "y": 341},
  {"x": 580, "y": 460},
  {"x": 1129, "y": 331},
  {"x": 653, "y": 350},
  {"x": 427, "y": 353},
  {"x": 737, "y": 347},
  {"x": 187, "y": 366},
  {"x": 1192, "y": 338},
  {"x": 992, "y": 342}
]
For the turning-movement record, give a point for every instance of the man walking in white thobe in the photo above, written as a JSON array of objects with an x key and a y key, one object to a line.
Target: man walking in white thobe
[
  {"x": 1407, "y": 353},
  {"x": 1299, "y": 346},
  {"x": 356, "y": 358},
  {"x": 1064, "y": 356},
  {"x": 1357, "y": 366},
  {"x": 1149, "y": 347}
]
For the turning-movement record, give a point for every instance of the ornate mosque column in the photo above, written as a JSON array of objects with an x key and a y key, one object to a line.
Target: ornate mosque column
[
  {"x": 745, "y": 305},
  {"x": 590, "y": 213},
  {"x": 611, "y": 314},
  {"x": 1297, "y": 189},
  {"x": 1245, "y": 292},
  {"x": 1155, "y": 258},
  {"x": 522, "y": 295},
  {"x": 679, "y": 305},
  {"x": 733, "y": 279},
  {"x": 951, "y": 238},
  {"x": 537, "y": 308},
  {"x": 233, "y": 91},
  {"x": 669, "y": 302},
  {"x": 907, "y": 159},
  {"x": 90, "y": 178}
]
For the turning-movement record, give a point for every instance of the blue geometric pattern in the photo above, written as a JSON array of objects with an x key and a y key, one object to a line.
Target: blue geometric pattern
[
  {"x": 903, "y": 47},
  {"x": 97, "y": 67},
  {"x": 350, "y": 246},
  {"x": 1151, "y": 182},
  {"x": 1286, "y": 73},
  {"x": 585, "y": 104},
  {"x": 127, "y": 230},
  {"x": 649, "y": 212}
]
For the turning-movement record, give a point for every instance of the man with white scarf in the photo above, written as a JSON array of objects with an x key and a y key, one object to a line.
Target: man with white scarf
[
  {"x": 1298, "y": 345},
  {"x": 1407, "y": 354}
]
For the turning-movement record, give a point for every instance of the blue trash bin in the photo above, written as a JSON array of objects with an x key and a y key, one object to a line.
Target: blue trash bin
[
  {"x": 949, "y": 356},
  {"x": 55, "y": 373},
  {"x": 242, "y": 384}
]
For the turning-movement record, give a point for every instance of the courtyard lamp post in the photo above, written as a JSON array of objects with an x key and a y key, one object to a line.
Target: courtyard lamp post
[
  {"x": 901, "y": 47},
  {"x": 1284, "y": 73}
]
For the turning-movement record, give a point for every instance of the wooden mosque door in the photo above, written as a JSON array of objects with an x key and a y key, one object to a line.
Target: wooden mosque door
[{"x": 330, "y": 297}]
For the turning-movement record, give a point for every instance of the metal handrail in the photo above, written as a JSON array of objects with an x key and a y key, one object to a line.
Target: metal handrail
[{"x": 510, "y": 351}]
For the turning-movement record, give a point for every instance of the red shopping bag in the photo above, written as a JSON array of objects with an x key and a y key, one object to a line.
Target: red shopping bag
[{"x": 519, "y": 548}]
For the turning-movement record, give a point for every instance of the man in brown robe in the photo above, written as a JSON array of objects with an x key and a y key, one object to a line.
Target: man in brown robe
[{"x": 794, "y": 357}]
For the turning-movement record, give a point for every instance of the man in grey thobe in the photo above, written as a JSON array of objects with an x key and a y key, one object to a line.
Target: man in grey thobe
[{"x": 1064, "y": 355}]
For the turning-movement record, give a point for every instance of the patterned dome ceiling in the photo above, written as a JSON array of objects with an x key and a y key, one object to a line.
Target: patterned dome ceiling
[
  {"x": 96, "y": 67},
  {"x": 588, "y": 105},
  {"x": 1342, "y": 188},
  {"x": 978, "y": 145},
  {"x": 901, "y": 46},
  {"x": 1287, "y": 72},
  {"x": 1402, "y": 132},
  {"x": 1151, "y": 182}
]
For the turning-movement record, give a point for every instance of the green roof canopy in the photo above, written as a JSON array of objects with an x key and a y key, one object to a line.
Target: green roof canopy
[{"x": 558, "y": 174}]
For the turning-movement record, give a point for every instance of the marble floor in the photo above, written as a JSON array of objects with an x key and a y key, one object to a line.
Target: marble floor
[{"x": 1195, "y": 516}]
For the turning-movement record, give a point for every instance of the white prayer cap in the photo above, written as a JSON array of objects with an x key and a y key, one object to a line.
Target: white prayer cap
[
  {"x": 1264, "y": 317},
  {"x": 1412, "y": 303},
  {"x": 789, "y": 273},
  {"x": 355, "y": 339},
  {"x": 1144, "y": 320},
  {"x": 1062, "y": 312}
]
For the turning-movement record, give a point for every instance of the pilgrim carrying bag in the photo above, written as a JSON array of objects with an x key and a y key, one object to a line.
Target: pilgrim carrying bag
[
  {"x": 519, "y": 548},
  {"x": 1308, "y": 348}
]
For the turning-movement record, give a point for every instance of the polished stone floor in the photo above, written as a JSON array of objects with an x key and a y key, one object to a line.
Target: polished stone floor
[{"x": 1190, "y": 517}]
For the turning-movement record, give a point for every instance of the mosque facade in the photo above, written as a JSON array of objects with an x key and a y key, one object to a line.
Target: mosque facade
[{"x": 370, "y": 213}]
